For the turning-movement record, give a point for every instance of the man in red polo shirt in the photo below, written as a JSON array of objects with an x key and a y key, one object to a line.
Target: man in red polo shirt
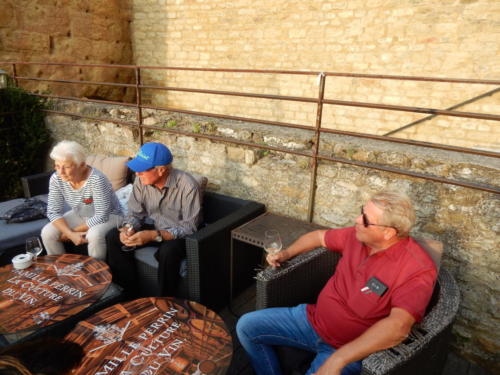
[{"x": 380, "y": 288}]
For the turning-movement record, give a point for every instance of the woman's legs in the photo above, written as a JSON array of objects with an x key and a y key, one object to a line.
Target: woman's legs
[
  {"x": 51, "y": 235},
  {"x": 96, "y": 236}
]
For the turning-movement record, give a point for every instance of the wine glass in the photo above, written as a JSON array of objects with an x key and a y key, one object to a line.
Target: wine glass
[
  {"x": 33, "y": 247},
  {"x": 123, "y": 226},
  {"x": 272, "y": 241}
]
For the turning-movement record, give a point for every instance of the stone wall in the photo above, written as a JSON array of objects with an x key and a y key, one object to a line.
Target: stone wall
[
  {"x": 466, "y": 220},
  {"x": 84, "y": 32},
  {"x": 452, "y": 38}
]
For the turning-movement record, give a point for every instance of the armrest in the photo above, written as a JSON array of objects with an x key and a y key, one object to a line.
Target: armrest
[
  {"x": 208, "y": 256},
  {"x": 297, "y": 281},
  {"x": 425, "y": 349},
  {"x": 36, "y": 184}
]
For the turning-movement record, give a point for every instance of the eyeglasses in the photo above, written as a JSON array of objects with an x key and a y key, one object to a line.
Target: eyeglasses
[{"x": 366, "y": 223}]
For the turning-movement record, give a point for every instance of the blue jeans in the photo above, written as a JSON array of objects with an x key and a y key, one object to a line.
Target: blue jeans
[{"x": 259, "y": 330}]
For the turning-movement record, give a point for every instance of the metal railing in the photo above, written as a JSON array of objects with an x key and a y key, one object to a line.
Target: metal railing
[{"x": 316, "y": 128}]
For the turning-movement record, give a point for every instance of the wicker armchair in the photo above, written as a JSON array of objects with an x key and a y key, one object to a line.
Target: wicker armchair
[
  {"x": 423, "y": 352},
  {"x": 206, "y": 277}
]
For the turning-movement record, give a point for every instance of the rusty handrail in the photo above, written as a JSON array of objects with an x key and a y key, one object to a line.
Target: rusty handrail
[
  {"x": 317, "y": 129},
  {"x": 404, "y": 108},
  {"x": 270, "y": 71},
  {"x": 475, "y": 186}
]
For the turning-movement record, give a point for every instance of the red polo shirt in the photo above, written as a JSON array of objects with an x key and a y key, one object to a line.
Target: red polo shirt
[{"x": 343, "y": 312}]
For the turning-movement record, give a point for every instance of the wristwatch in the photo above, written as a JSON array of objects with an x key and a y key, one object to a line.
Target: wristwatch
[{"x": 158, "y": 237}]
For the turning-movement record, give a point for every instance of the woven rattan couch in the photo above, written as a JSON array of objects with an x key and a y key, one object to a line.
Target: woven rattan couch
[
  {"x": 422, "y": 353},
  {"x": 13, "y": 236},
  {"x": 206, "y": 273}
]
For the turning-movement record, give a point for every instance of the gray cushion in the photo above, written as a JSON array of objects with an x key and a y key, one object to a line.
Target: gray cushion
[
  {"x": 147, "y": 255},
  {"x": 15, "y": 234}
]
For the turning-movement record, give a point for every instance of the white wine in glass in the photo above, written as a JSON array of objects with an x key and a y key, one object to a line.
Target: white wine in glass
[
  {"x": 123, "y": 226},
  {"x": 33, "y": 247},
  {"x": 272, "y": 241}
]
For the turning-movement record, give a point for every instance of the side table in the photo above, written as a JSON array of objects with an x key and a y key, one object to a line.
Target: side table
[{"x": 247, "y": 242}]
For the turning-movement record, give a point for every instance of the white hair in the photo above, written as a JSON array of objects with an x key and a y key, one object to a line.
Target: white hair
[
  {"x": 68, "y": 150},
  {"x": 398, "y": 211}
]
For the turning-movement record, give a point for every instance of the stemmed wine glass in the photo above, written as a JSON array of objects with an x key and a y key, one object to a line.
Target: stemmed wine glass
[
  {"x": 272, "y": 241},
  {"x": 33, "y": 247},
  {"x": 123, "y": 226}
]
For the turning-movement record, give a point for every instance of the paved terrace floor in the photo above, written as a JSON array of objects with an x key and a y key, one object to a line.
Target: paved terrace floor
[{"x": 240, "y": 365}]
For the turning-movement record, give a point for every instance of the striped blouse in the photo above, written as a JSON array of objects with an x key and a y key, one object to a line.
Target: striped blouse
[{"x": 95, "y": 200}]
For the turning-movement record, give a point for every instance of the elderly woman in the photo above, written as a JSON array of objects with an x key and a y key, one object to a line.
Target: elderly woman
[{"x": 94, "y": 206}]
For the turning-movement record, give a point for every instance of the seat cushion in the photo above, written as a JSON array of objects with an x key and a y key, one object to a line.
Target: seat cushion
[
  {"x": 114, "y": 167},
  {"x": 147, "y": 255},
  {"x": 15, "y": 234},
  {"x": 433, "y": 247}
]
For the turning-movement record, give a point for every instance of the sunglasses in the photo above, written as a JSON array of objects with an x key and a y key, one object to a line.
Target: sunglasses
[{"x": 366, "y": 222}]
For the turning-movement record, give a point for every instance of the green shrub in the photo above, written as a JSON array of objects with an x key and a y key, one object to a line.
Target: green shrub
[{"x": 24, "y": 139}]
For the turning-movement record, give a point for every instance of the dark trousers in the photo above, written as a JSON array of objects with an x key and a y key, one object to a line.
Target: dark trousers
[{"x": 122, "y": 264}]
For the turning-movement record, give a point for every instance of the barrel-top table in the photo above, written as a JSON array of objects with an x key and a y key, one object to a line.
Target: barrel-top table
[
  {"x": 52, "y": 289},
  {"x": 154, "y": 336}
]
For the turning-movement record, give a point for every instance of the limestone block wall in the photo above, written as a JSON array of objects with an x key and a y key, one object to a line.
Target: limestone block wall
[
  {"x": 85, "y": 32},
  {"x": 408, "y": 37},
  {"x": 466, "y": 220}
]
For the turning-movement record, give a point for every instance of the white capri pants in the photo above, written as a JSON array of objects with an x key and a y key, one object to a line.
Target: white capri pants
[{"x": 96, "y": 235}]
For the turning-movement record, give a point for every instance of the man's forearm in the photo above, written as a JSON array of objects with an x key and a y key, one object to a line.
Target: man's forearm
[
  {"x": 384, "y": 334},
  {"x": 305, "y": 243}
]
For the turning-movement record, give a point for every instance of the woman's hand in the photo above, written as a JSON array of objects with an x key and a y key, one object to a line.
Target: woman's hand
[
  {"x": 65, "y": 238},
  {"x": 78, "y": 238}
]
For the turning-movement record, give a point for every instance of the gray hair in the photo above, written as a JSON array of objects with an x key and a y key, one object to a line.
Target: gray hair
[
  {"x": 69, "y": 150},
  {"x": 398, "y": 211}
]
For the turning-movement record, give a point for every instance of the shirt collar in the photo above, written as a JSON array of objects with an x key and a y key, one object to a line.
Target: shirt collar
[
  {"x": 393, "y": 251},
  {"x": 171, "y": 179}
]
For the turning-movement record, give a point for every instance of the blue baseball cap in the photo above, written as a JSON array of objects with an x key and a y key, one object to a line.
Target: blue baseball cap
[{"x": 150, "y": 155}]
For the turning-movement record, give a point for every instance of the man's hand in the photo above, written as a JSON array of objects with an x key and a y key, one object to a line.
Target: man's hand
[
  {"x": 305, "y": 243},
  {"x": 275, "y": 260},
  {"x": 329, "y": 367},
  {"x": 386, "y": 333},
  {"x": 125, "y": 236},
  {"x": 132, "y": 238}
]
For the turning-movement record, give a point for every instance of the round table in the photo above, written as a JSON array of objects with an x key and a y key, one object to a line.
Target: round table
[
  {"x": 51, "y": 290},
  {"x": 154, "y": 336}
]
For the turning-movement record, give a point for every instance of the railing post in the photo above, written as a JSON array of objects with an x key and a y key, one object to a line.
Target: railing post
[
  {"x": 14, "y": 74},
  {"x": 317, "y": 133},
  {"x": 139, "y": 103}
]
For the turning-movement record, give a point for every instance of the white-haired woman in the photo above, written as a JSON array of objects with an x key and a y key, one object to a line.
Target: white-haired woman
[{"x": 94, "y": 206}]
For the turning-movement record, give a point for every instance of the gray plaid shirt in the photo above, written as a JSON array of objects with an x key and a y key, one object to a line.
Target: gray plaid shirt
[{"x": 176, "y": 208}]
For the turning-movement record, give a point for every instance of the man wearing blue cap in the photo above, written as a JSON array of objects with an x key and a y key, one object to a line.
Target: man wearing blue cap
[{"x": 171, "y": 200}]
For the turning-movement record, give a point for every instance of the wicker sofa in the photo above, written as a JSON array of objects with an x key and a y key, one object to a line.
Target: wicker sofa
[
  {"x": 423, "y": 352},
  {"x": 206, "y": 269},
  {"x": 13, "y": 236}
]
